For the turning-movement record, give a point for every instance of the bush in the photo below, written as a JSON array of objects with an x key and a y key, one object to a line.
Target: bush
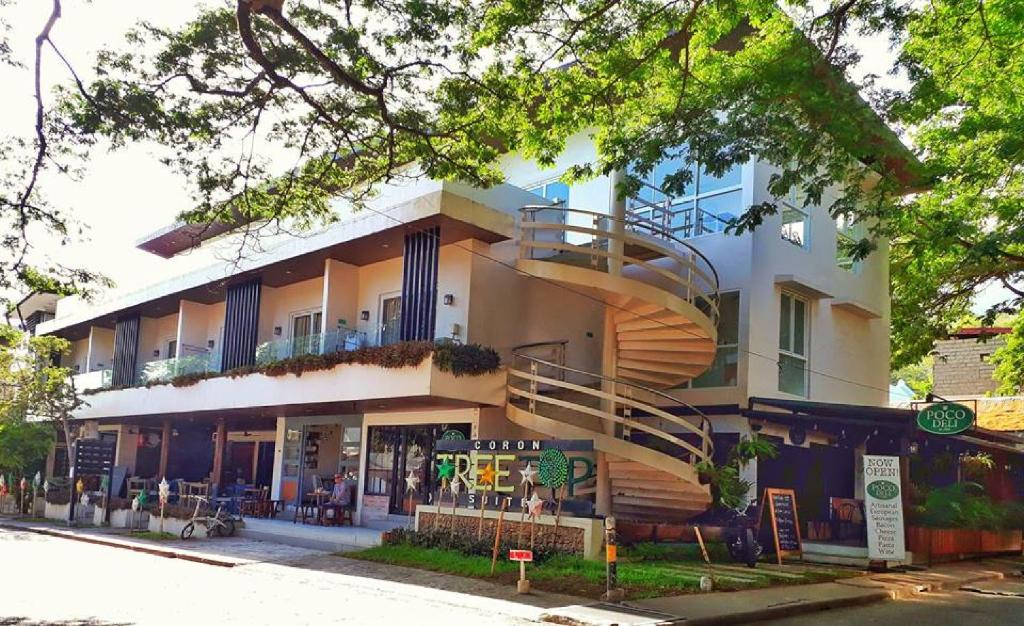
[
  {"x": 462, "y": 543},
  {"x": 58, "y": 496},
  {"x": 965, "y": 505}
]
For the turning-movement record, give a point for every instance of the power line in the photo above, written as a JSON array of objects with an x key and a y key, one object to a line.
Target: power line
[{"x": 605, "y": 303}]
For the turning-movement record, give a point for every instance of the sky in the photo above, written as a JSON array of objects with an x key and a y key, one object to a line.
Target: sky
[{"x": 127, "y": 194}]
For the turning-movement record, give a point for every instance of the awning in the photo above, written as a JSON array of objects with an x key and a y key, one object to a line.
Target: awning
[{"x": 769, "y": 409}]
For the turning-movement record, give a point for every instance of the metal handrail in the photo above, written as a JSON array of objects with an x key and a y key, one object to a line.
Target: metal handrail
[
  {"x": 661, "y": 232},
  {"x": 705, "y": 426}
]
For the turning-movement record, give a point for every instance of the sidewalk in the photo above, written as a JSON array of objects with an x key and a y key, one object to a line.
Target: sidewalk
[
  {"x": 223, "y": 552},
  {"x": 741, "y": 607}
]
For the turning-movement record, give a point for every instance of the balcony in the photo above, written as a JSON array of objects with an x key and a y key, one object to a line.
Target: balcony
[
  {"x": 99, "y": 379},
  {"x": 318, "y": 343}
]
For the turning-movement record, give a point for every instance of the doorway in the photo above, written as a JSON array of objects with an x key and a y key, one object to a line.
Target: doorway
[
  {"x": 306, "y": 333},
  {"x": 390, "y": 319},
  {"x": 394, "y": 451}
]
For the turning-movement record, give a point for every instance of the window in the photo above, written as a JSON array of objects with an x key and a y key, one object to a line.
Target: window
[
  {"x": 172, "y": 348},
  {"x": 306, "y": 333},
  {"x": 848, "y": 233},
  {"x": 555, "y": 190},
  {"x": 793, "y": 345},
  {"x": 722, "y": 372},
  {"x": 984, "y": 357},
  {"x": 704, "y": 205},
  {"x": 796, "y": 220}
]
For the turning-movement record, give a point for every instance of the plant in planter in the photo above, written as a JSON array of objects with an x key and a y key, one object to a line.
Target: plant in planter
[{"x": 976, "y": 466}]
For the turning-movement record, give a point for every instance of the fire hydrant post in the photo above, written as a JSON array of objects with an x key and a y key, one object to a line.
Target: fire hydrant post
[{"x": 612, "y": 591}]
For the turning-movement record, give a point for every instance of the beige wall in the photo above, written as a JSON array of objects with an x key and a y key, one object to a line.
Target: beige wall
[
  {"x": 962, "y": 367},
  {"x": 277, "y": 305},
  {"x": 340, "y": 295},
  {"x": 154, "y": 334},
  {"x": 376, "y": 279},
  {"x": 101, "y": 348},
  {"x": 78, "y": 358}
]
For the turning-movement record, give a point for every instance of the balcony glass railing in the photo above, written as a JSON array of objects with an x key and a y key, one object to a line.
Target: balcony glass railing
[
  {"x": 100, "y": 379},
  {"x": 325, "y": 343},
  {"x": 166, "y": 369}
]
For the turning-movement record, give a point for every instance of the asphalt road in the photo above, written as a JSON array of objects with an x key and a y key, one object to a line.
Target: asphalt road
[
  {"x": 956, "y": 608},
  {"x": 49, "y": 580}
]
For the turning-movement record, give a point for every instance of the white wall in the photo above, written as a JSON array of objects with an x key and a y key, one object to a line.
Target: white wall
[
  {"x": 154, "y": 334},
  {"x": 376, "y": 279},
  {"x": 340, "y": 295},
  {"x": 101, "y": 348},
  {"x": 278, "y": 304}
]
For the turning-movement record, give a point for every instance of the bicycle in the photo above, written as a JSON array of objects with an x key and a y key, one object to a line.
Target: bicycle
[{"x": 220, "y": 524}]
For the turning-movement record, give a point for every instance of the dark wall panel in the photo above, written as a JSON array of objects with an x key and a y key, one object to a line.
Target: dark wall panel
[
  {"x": 241, "y": 325},
  {"x": 126, "y": 350},
  {"x": 419, "y": 285}
]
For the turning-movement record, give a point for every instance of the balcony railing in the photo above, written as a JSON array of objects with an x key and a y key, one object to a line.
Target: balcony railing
[
  {"x": 319, "y": 343},
  {"x": 99, "y": 379},
  {"x": 164, "y": 370}
]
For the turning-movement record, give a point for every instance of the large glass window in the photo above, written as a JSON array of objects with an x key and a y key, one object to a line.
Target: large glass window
[
  {"x": 793, "y": 337},
  {"x": 723, "y": 370},
  {"x": 796, "y": 220},
  {"x": 290, "y": 453},
  {"x": 556, "y": 191},
  {"x": 848, "y": 233},
  {"x": 706, "y": 204}
]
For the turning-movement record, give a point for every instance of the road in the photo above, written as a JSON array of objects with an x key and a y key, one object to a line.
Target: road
[
  {"x": 956, "y": 608},
  {"x": 49, "y": 580}
]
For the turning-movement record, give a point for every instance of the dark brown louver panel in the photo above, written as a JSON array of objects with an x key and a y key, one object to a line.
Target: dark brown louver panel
[
  {"x": 419, "y": 285},
  {"x": 241, "y": 325},
  {"x": 126, "y": 349}
]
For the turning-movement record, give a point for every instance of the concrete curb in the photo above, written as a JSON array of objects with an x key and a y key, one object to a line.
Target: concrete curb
[
  {"x": 788, "y": 610},
  {"x": 134, "y": 547}
]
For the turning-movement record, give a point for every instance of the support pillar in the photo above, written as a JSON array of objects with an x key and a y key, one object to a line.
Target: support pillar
[
  {"x": 165, "y": 449},
  {"x": 218, "y": 455},
  {"x": 609, "y": 353}
]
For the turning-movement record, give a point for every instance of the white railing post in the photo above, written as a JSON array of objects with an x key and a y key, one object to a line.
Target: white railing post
[
  {"x": 627, "y": 412},
  {"x": 533, "y": 387}
]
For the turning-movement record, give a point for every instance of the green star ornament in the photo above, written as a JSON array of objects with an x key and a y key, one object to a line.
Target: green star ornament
[{"x": 445, "y": 470}]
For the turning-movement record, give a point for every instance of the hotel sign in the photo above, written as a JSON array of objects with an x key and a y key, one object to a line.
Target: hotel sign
[{"x": 945, "y": 418}]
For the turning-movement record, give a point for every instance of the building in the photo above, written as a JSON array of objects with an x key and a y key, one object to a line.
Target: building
[
  {"x": 962, "y": 366},
  {"x": 639, "y": 326}
]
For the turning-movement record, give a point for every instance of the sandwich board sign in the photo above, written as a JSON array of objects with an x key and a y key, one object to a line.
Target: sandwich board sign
[
  {"x": 780, "y": 505},
  {"x": 883, "y": 508}
]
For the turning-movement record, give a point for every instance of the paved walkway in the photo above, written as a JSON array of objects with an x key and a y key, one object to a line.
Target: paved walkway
[{"x": 741, "y": 607}]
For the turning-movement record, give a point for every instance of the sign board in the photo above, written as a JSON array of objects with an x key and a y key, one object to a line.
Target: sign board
[
  {"x": 94, "y": 457},
  {"x": 781, "y": 507},
  {"x": 883, "y": 508},
  {"x": 520, "y": 555},
  {"x": 514, "y": 445},
  {"x": 945, "y": 418}
]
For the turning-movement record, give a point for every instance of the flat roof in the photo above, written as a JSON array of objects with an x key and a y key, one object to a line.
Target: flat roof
[{"x": 462, "y": 212}]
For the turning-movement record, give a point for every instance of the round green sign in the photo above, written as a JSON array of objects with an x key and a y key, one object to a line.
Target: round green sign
[
  {"x": 945, "y": 418},
  {"x": 883, "y": 489}
]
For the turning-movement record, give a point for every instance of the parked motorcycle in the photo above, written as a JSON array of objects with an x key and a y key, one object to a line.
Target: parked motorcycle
[{"x": 741, "y": 536}]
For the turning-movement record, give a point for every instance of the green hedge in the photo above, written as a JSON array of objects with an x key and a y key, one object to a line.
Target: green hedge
[
  {"x": 457, "y": 359},
  {"x": 461, "y": 543},
  {"x": 965, "y": 505}
]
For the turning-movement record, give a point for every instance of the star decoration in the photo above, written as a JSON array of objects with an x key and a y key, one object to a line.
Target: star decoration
[
  {"x": 528, "y": 473},
  {"x": 535, "y": 505},
  {"x": 487, "y": 475},
  {"x": 456, "y": 486},
  {"x": 445, "y": 469},
  {"x": 411, "y": 481}
]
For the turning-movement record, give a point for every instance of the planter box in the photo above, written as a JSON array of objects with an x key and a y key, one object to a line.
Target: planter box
[
  {"x": 38, "y": 506},
  {"x": 173, "y": 525},
  {"x": 56, "y": 511},
  {"x": 951, "y": 544}
]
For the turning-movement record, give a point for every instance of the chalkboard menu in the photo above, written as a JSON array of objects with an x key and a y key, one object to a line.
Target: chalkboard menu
[{"x": 781, "y": 507}]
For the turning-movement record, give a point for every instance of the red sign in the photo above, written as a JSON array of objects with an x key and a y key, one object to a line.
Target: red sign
[{"x": 520, "y": 555}]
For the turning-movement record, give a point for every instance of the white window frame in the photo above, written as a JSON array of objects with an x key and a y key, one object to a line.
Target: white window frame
[
  {"x": 693, "y": 200},
  {"x": 310, "y": 312},
  {"x": 736, "y": 345},
  {"x": 789, "y": 352},
  {"x": 851, "y": 234},
  {"x": 792, "y": 203}
]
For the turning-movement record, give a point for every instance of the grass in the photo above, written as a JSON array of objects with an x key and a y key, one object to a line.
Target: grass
[
  {"x": 645, "y": 571},
  {"x": 154, "y": 536}
]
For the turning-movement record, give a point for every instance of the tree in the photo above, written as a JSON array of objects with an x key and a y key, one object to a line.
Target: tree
[
  {"x": 1009, "y": 361},
  {"x": 37, "y": 396},
  {"x": 918, "y": 376},
  {"x": 359, "y": 93},
  {"x": 966, "y": 230}
]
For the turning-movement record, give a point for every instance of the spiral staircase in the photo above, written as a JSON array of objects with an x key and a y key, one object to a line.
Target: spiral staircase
[{"x": 661, "y": 298}]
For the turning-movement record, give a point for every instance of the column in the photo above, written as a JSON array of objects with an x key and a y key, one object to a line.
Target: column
[
  {"x": 218, "y": 455},
  {"x": 165, "y": 449}
]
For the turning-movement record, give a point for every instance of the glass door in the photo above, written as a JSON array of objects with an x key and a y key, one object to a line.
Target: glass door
[
  {"x": 390, "y": 319},
  {"x": 306, "y": 333}
]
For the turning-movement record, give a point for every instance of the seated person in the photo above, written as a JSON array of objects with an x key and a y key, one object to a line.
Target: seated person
[{"x": 341, "y": 494}]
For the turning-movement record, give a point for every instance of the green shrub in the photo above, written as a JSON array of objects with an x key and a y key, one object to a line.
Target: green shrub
[
  {"x": 459, "y": 542},
  {"x": 965, "y": 505}
]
